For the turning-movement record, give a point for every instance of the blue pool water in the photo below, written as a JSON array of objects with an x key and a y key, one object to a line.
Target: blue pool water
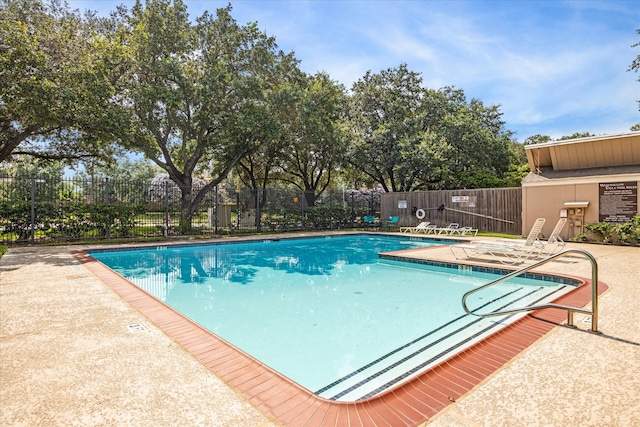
[{"x": 328, "y": 312}]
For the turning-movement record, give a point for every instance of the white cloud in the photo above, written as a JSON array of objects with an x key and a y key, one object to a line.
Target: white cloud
[{"x": 555, "y": 66}]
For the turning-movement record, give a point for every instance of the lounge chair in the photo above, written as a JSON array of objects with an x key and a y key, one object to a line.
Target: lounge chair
[
  {"x": 417, "y": 229},
  {"x": 450, "y": 229},
  {"x": 504, "y": 250},
  {"x": 551, "y": 245},
  {"x": 463, "y": 231},
  {"x": 431, "y": 228},
  {"x": 504, "y": 253},
  {"x": 554, "y": 242},
  {"x": 533, "y": 238}
]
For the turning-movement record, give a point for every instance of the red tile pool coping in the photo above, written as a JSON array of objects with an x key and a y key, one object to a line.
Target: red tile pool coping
[{"x": 408, "y": 404}]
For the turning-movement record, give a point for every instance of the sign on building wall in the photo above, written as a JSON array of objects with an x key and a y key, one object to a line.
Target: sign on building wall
[{"x": 618, "y": 201}]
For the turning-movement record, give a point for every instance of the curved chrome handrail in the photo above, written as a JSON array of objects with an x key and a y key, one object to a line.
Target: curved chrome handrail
[{"x": 570, "y": 310}]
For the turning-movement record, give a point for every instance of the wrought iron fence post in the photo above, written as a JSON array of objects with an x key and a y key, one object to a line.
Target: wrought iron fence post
[
  {"x": 258, "y": 219},
  {"x": 106, "y": 203},
  {"x": 302, "y": 199},
  {"x": 33, "y": 208},
  {"x": 166, "y": 209},
  {"x": 215, "y": 228},
  {"x": 330, "y": 210},
  {"x": 238, "y": 209},
  {"x": 353, "y": 211}
]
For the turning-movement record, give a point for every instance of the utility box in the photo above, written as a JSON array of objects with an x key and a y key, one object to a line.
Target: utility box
[
  {"x": 224, "y": 216},
  {"x": 575, "y": 213}
]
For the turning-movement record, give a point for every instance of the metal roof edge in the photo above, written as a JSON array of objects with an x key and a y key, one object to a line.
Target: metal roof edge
[{"x": 580, "y": 140}]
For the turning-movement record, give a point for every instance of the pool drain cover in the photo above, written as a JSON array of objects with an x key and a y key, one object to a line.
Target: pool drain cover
[{"x": 137, "y": 327}]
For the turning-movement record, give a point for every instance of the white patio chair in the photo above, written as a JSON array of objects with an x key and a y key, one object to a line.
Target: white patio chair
[
  {"x": 505, "y": 251},
  {"x": 450, "y": 229},
  {"x": 551, "y": 245},
  {"x": 417, "y": 229},
  {"x": 463, "y": 231},
  {"x": 431, "y": 228}
]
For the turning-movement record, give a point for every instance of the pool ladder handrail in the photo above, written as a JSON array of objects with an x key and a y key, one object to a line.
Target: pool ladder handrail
[{"x": 570, "y": 310}]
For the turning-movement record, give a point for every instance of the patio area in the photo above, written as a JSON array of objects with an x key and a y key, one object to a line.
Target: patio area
[{"x": 73, "y": 352}]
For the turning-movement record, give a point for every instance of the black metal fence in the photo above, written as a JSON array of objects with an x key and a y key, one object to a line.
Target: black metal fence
[{"x": 34, "y": 209}]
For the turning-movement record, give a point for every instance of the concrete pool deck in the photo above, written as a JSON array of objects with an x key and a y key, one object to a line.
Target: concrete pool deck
[{"x": 72, "y": 352}]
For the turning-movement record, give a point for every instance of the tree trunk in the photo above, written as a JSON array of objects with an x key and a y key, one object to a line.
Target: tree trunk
[
  {"x": 310, "y": 197},
  {"x": 186, "y": 209}
]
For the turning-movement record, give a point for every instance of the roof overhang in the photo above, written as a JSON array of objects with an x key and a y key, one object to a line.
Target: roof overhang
[{"x": 585, "y": 153}]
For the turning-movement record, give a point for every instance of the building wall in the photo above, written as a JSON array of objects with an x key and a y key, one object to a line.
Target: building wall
[{"x": 547, "y": 199}]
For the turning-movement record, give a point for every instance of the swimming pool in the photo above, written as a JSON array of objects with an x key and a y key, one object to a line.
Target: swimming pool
[{"x": 327, "y": 312}]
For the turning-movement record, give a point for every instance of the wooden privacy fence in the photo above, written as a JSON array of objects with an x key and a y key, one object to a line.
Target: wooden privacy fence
[{"x": 497, "y": 210}]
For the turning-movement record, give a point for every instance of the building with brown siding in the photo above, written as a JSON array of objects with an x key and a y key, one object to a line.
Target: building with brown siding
[{"x": 588, "y": 180}]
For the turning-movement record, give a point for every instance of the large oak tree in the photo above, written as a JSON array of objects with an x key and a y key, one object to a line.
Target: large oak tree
[
  {"x": 390, "y": 144},
  {"x": 52, "y": 98},
  {"x": 408, "y": 137},
  {"x": 197, "y": 95},
  {"x": 313, "y": 137}
]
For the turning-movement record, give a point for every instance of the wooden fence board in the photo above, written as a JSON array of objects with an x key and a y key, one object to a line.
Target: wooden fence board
[{"x": 497, "y": 210}]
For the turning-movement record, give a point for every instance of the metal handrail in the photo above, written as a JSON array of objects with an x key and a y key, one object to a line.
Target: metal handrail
[{"x": 570, "y": 310}]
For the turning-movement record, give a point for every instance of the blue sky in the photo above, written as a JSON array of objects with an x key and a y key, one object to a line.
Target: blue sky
[{"x": 555, "y": 67}]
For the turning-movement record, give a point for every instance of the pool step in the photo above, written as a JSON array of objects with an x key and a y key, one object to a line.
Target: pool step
[{"x": 434, "y": 347}]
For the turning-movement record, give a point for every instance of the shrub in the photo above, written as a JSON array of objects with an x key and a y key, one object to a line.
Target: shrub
[
  {"x": 604, "y": 232},
  {"x": 16, "y": 218}
]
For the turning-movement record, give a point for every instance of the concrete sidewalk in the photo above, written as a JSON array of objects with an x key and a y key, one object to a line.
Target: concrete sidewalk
[
  {"x": 570, "y": 377},
  {"x": 73, "y": 353}
]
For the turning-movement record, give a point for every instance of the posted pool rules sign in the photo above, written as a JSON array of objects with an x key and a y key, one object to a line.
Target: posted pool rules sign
[{"x": 618, "y": 201}]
